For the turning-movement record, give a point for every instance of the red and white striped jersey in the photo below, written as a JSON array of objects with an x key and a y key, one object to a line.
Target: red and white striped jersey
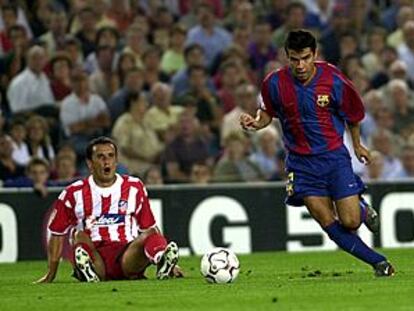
[{"x": 112, "y": 214}]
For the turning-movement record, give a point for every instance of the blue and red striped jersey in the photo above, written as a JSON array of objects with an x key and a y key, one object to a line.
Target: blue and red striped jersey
[{"x": 312, "y": 115}]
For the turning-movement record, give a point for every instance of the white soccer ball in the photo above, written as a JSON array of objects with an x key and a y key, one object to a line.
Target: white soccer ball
[{"x": 220, "y": 265}]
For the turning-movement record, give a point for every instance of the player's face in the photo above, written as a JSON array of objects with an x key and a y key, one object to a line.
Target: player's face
[
  {"x": 302, "y": 63},
  {"x": 103, "y": 164}
]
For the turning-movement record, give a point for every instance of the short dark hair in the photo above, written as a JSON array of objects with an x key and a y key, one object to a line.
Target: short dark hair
[
  {"x": 299, "y": 40},
  {"x": 131, "y": 98},
  {"x": 35, "y": 161},
  {"x": 189, "y": 48},
  {"x": 102, "y": 140}
]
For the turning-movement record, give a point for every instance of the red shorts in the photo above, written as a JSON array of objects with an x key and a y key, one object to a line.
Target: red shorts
[{"x": 111, "y": 254}]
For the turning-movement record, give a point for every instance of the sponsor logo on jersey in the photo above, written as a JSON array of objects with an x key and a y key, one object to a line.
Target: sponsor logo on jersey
[
  {"x": 322, "y": 100},
  {"x": 108, "y": 220}
]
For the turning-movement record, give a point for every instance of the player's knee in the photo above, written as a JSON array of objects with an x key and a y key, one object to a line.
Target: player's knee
[
  {"x": 80, "y": 236},
  {"x": 351, "y": 223}
]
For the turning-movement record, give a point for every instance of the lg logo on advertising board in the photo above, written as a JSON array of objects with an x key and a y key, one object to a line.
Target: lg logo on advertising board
[
  {"x": 236, "y": 234},
  {"x": 8, "y": 234}
]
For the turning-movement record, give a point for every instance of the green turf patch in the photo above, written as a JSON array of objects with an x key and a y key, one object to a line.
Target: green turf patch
[{"x": 267, "y": 281}]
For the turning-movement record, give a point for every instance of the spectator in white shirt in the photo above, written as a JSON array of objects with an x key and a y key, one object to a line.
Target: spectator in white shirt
[
  {"x": 83, "y": 115},
  {"x": 30, "y": 89}
]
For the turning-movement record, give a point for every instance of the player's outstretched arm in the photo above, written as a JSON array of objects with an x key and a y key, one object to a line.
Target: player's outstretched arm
[
  {"x": 54, "y": 252},
  {"x": 261, "y": 120}
]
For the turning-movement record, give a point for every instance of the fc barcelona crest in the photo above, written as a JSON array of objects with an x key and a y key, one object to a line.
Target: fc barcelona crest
[{"x": 322, "y": 100}]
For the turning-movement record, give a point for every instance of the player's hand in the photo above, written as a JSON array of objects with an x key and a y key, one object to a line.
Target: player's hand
[
  {"x": 47, "y": 278},
  {"x": 247, "y": 122},
  {"x": 363, "y": 154},
  {"x": 177, "y": 272}
]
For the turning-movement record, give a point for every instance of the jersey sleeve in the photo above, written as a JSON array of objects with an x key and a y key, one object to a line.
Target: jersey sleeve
[
  {"x": 143, "y": 213},
  {"x": 351, "y": 106},
  {"x": 265, "y": 97},
  {"x": 63, "y": 215}
]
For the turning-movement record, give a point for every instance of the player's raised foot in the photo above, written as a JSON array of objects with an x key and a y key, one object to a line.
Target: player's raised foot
[
  {"x": 372, "y": 219},
  {"x": 168, "y": 261},
  {"x": 84, "y": 269},
  {"x": 384, "y": 268}
]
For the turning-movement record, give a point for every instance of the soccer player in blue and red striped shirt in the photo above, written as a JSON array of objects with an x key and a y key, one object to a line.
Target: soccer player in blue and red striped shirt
[{"x": 314, "y": 103}]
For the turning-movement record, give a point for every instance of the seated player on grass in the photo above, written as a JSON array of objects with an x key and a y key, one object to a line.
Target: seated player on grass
[{"x": 111, "y": 226}]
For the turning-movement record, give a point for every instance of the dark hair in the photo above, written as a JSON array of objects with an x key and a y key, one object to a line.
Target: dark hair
[
  {"x": 194, "y": 46},
  {"x": 104, "y": 29},
  {"x": 295, "y": 5},
  {"x": 60, "y": 56},
  {"x": 131, "y": 98},
  {"x": 102, "y": 140},
  {"x": 10, "y": 7},
  {"x": 299, "y": 40},
  {"x": 34, "y": 161}
]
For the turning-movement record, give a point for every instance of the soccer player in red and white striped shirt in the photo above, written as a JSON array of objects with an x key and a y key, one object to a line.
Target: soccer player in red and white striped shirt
[{"x": 111, "y": 225}]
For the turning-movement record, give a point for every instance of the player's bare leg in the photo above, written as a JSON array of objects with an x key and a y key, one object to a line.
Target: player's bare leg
[
  {"x": 136, "y": 259},
  {"x": 349, "y": 212},
  {"x": 83, "y": 258},
  {"x": 321, "y": 209}
]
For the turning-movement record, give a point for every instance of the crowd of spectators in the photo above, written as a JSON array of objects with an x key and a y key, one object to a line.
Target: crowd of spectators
[{"x": 168, "y": 80}]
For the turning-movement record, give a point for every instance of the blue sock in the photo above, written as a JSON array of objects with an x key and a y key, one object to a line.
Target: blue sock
[{"x": 351, "y": 243}]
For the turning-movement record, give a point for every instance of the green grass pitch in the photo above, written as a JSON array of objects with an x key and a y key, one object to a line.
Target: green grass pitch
[{"x": 268, "y": 281}]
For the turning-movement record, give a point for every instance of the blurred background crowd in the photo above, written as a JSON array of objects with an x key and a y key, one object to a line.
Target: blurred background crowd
[{"x": 169, "y": 79}]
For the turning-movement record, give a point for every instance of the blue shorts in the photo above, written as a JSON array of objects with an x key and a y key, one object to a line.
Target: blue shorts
[{"x": 328, "y": 175}]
